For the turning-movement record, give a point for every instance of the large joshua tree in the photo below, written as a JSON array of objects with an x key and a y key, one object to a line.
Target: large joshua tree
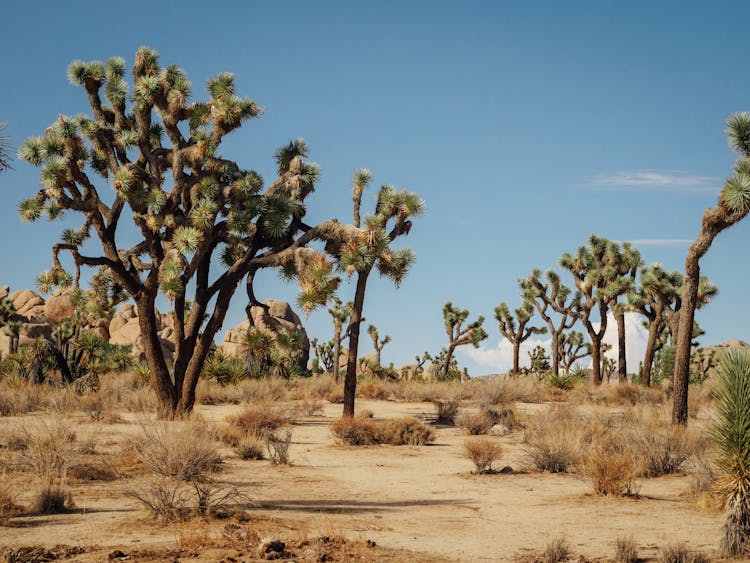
[
  {"x": 572, "y": 349},
  {"x": 458, "y": 334},
  {"x": 515, "y": 327},
  {"x": 548, "y": 296},
  {"x": 733, "y": 206},
  {"x": 598, "y": 276},
  {"x": 626, "y": 263},
  {"x": 156, "y": 161},
  {"x": 731, "y": 434},
  {"x": 340, "y": 313},
  {"x": 659, "y": 299},
  {"x": 361, "y": 248}
]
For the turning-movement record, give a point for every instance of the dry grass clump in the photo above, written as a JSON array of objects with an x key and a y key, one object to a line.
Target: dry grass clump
[
  {"x": 51, "y": 499},
  {"x": 265, "y": 390},
  {"x": 678, "y": 553},
  {"x": 476, "y": 423},
  {"x": 184, "y": 450},
  {"x": 310, "y": 407},
  {"x": 20, "y": 398},
  {"x": 483, "y": 451},
  {"x": 358, "y": 431},
  {"x": 503, "y": 415},
  {"x": 277, "y": 445},
  {"x": 552, "y": 440},
  {"x": 446, "y": 410},
  {"x": 664, "y": 449},
  {"x": 371, "y": 389},
  {"x": 9, "y": 508},
  {"x": 210, "y": 392},
  {"x": 335, "y": 396},
  {"x": 609, "y": 467},
  {"x": 556, "y": 551},
  {"x": 259, "y": 419},
  {"x": 255, "y": 431},
  {"x": 626, "y": 551}
]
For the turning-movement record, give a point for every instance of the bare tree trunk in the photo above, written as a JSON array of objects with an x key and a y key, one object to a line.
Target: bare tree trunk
[
  {"x": 684, "y": 337},
  {"x": 555, "y": 352},
  {"x": 448, "y": 357},
  {"x": 350, "y": 380},
  {"x": 648, "y": 358},
  {"x": 336, "y": 352},
  {"x": 161, "y": 379},
  {"x": 516, "y": 354},
  {"x": 622, "y": 368},
  {"x": 596, "y": 353}
]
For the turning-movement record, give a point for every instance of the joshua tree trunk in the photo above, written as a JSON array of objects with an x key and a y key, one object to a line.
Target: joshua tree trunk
[
  {"x": 337, "y": 352},
  {"x": 596, "y": 347},
  {"x": 350, "y": 380},
  {"x": 555, "y": 353},
  {"x": 516, "y": 354},
  {"x": 715, "y": 220},
  {"x": 448, "y": 357},
  {"x": 622, "y": 368},
  {"x": 648, "y": 358}
]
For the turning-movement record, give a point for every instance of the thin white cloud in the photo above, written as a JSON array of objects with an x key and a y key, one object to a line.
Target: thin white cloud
[
  {"x": 500, "y": 357},
  {"x": 660, "y": 241},
  {"x": 655, "y": 180}
]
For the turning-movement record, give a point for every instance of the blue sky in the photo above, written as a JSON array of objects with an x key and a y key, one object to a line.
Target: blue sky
[{"x": 524, "y": 126}]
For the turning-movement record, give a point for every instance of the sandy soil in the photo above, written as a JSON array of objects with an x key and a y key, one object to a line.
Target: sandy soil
[{"x": 421, "y": 499}]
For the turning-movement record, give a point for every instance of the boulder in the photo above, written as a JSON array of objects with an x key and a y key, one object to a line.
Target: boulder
[
  {"x": 36, "y": 330},
  {"x": 28, "y": 303},
  {"x": 59, "y": 306},
  {"x": 234, "y": 339},
  {"x": 4, "y": 291}
]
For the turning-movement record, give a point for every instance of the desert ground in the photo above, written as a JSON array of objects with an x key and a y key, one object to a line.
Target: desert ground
[{"x": 381, "y": 502}]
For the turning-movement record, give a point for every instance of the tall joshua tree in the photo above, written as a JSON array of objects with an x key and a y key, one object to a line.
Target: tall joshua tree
[
  {"x": 732, "y": 207},
  {"x": 359, "y": 249},
  {"x": 458, "y": 334},
  {"x": 340, "y": 315},
  {"x": 158, "y": 163},
  {"x": 515, "y": 327},
  {"x": 599, "y": 283},
  {"x": 376, "y": 342},
  {"x": 549, "y": 296},
  {"x": 626, "y": 263},
  {"x": 659, "y": 299}
]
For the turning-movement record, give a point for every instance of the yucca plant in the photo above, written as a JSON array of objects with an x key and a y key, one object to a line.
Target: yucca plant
[{"x": 731, "y": 434}]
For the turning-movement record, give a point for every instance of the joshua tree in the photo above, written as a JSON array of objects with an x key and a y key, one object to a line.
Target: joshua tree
[
  {"x": 376, "y": 342},
  {"x": 703, "y": 360},
  {"x": 538, "y": 362},
  {"x": 458, "y": 335},
  {"x": 572, "y": 349},
  {"x": 11, "y": 320},
  {"x": 626, "y": 264},
  {"x": 324, "y": 354},
  {"x": 732, "y": 207},
  {"x": 597, "y": 273},
  {"x": 659, "y": 299},
  {"x": 4, "y": 150},
  {"x": 515, "y": 328},
  {"x": 188, "y": 204},
  {"x": 551, "y": 295},
  {"x": 358, "y": 249},
  {"x": 731, "y": 434},
  {"x": 340, "y": 314}
]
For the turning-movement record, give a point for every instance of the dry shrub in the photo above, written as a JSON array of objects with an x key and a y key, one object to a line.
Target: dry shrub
[
  {"x": 610, "y": 466},
  {"x": 704, "y": 481},
  {"x": 405, "y": 432},
  {"x": 250, "y": 446},
  {"x": 678, "y": 553},
  {"x": 310, "y": 407},
  {"x": 445, "y": 410},
  {"x": 626, "y": 551},
  {"x": 556, "y": 551},
  {"x": 365, "y": 413},
  {"x": 335, "y": 396},
  {"x": 184, "y": 450},
  {"x": 92, "y": 471},
  {"x": 265, "y": 390},
  {"x": 9, "y": 508},
  {"x": 278, "y": 444},
  {"x": 359, "y": 431},
  {"x": 371, "y": 389},
  {"x": 552, "y": 440},
  {"x": 51, "y": 499},
  {"x": 16, "y": 441},
  {"x": 20, "y": 399},
  {"x": 319, "y": 387},
  {"x": 664, "y": 449},
  {"x": 356, "y": 431},
  {"x": 259, "y": 419},
  {"x": 51, "y": 448},
  {"x": 492, "y": 392},
  {"x": 476, "y": 423},
  {"x": 504, "y": 415},
  {"x": 483, "y": 451},
  {"x": 166, "y": 498},
  {"x": 209, "y": 392}
]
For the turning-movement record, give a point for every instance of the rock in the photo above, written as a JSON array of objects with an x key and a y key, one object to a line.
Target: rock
[
  {"x": 36, "y": 330},
  {"x": 499, "y": 430},
  {"x": 429, "y": 373},
  {"x": 274, "y": 317},
  {"x": 59, "y": 306},
  {"x": 506, "y": 469},
  {"x": 4, "y": 291},
  {"x": 28, "y": 303},
  {"x": 124, "y": 329}
]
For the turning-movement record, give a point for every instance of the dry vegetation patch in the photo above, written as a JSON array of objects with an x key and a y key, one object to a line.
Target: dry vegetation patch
[{"x": 359, "y": 431}]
